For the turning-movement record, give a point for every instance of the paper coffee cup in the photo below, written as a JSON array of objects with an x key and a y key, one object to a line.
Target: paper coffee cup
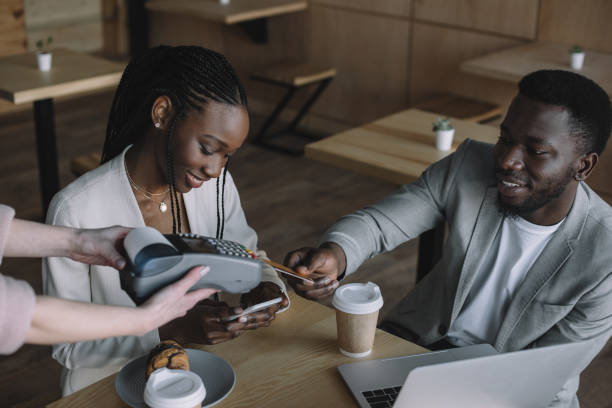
[
  {"x": 174, "y": 389},
  {"x": 357, "y": 306}
]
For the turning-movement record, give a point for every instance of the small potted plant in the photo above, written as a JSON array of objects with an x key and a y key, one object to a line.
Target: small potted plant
[
  {"x": 577, "y": 57},
  {"x": 44, "y": 54},
  {"x": 444, "y": 133}
]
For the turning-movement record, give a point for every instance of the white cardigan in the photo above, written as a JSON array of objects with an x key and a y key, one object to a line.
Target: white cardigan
[{"x": 101, "y": 198}]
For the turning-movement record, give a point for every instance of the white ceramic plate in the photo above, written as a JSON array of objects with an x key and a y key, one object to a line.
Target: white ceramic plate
[{"x": 216, "y": 373}]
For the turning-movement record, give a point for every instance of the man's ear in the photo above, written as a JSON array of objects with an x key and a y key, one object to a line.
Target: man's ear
[
  {"x": 586, "y": 165},
  {"x": 161, "y": 112}
]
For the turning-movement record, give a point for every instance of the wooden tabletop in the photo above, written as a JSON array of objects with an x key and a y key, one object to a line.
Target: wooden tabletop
[
  {"x": 396, "y": 148},
  {"x": 71, "y": 72},
  {"x": 292, "y": 363},
  {"x": 514, "y": 63},
  {"x": 237, "y": 11}
]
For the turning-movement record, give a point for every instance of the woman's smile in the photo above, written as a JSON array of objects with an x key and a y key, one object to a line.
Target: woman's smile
[{"x": 194, "y": 181}]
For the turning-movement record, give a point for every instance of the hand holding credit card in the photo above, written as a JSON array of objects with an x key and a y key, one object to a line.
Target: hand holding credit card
[{"x": 286, "y": 270}]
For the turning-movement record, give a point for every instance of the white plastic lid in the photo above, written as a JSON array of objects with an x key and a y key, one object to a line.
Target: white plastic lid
[
  {"x": 174, "y": 389},
  {"x": 358, "y": 298}
]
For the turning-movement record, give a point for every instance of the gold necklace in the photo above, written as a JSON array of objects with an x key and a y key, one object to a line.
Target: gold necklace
[{"x": 163, "y": 207}]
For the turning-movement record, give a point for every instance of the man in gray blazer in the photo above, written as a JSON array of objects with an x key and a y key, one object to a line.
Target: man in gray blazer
[{"x": 527, "y": 260}]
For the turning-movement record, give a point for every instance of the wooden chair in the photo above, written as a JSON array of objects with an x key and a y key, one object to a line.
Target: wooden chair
[
  {"x": 461, "y": 107},
  {"x": 82, "y": 164},
  {"x": 293, "y": 76}
]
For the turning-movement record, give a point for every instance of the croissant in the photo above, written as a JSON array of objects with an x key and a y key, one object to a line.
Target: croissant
[{"x": 168, "y": 354}]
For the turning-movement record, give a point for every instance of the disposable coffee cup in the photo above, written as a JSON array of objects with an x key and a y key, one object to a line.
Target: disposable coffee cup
[
  {"x": 174, "y": 389},
  {"x": 357, "y": 306}
]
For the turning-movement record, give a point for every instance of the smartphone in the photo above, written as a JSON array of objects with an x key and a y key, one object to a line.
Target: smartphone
[{"x": 254, "y": 308}]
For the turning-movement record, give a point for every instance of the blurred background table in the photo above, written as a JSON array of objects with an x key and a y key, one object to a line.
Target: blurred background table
[
  {"x": 292, "y": 363},
  {"x": 513, "y": 63},
  {"x": 398, "y": 148},
  {"x": 250, "y": 14},
  {"x": 71, "y": 73},
  {"x": 236, "y": 11}
]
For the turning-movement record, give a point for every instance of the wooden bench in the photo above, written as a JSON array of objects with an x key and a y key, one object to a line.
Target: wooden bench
[
  {"x": 461, "y": 107},
  {"x": 293, "y": 76}
]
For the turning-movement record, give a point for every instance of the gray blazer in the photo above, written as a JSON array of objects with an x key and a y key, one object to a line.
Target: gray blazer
[{"x": 566, "y": 296}]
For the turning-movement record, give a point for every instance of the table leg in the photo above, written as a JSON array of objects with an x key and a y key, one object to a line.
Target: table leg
[
  {"x": 430, "y": 250},
  {"x": 257, "y": 30},
  {"x": 138, "y": 27},
  {"x": 47, "y": 152}
]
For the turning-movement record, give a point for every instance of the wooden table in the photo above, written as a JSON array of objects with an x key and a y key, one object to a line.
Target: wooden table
[
  {"x": 514, "y": 63},
  {"x": 237, "y": 11},
  {"x": 71, "y": 73},
  {"x": 292, "y": 363},
  {"x": 398, "y": 148},
  {"x": 250, "y": 14}
]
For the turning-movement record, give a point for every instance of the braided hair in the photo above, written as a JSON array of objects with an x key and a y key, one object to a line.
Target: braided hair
[{"x": 189, "y": 76}]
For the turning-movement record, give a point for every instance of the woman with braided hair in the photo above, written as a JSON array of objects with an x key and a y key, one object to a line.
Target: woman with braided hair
[{"x": 178, "y": 115}]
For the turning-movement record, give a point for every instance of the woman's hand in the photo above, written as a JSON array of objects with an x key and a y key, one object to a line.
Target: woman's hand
[
  {"x": 99, "y": 246},
  {"x": 63, "y": 321},
  {"x": 93, "y": 246},
  {"x": 263, "y": 292},
  {"x": 174, "y": 300},
  {"x": 204, "y": 324},
  {"x": 322, "y": 264}
]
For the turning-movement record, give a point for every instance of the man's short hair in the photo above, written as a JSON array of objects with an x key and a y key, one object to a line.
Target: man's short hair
[{"x": 587, "y": 103}]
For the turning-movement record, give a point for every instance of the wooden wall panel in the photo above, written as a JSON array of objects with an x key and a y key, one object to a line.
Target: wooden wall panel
[
  {"x": 585, "y": 22},
  {"x": 114, "y": 25},
  {"x": 398, "y": 8},
  {"x": 515, "y": 18},
  {"x": 370, "y": 53},
  {"x": 12, "y": 27},
  {"x": 435, "y": 69},
  {"x": 180, "y": 29},
  {"x": 286, "y": 41},
  {"x": 74, "y": 24}
]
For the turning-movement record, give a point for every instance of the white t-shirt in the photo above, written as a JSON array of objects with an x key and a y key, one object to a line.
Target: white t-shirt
[{"x": 516, "y": 246}]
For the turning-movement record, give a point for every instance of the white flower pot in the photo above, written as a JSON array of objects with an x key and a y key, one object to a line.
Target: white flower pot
[
  {"x": 44, "y": 61},
  {"x": 444, "y": 139},
  {"x": 577, "y": 59}
]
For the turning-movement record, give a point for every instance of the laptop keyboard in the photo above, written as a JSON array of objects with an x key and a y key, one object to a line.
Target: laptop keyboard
[{"x": 383, "y": 398}]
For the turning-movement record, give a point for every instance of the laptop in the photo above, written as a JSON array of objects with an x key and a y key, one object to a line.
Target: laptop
[{"x": 472, "y": 376}]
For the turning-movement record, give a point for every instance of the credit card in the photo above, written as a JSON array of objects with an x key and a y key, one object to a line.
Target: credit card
[{"x": 286, "y": 270}]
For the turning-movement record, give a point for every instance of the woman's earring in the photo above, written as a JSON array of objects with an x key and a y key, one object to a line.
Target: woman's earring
[{"x": 157, "y": 124}]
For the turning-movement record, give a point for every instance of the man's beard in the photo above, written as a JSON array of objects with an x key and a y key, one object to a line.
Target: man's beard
[{"x": 537, "y": 200}]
